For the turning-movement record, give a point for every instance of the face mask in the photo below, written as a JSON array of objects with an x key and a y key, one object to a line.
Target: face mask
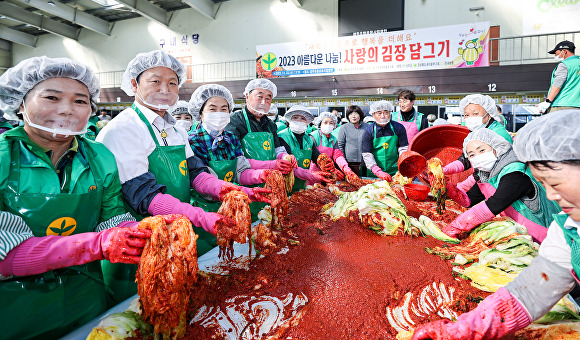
[
  {"x": 326, "y": 129},
  {"x": 167, "y": 97},
  {"x": 185, "y": 124},
  {"x": 558, "y": 57},
  {"x": 57, "y": 126},
  {"x": 474, "y": 123},
  {"x": 261, "y": 111},
  {"x": 215, "y": 121},
  {"x": 383, "y": 122},
  {"x": 484, "y": 161},
  {"x": 297, "y": 127},
  {"x": 272, "y": 118}
]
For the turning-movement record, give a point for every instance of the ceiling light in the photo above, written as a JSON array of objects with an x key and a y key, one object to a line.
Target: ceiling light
[
  {"x": 50, "y": 2},
  {"x": 473, "y": 9}
]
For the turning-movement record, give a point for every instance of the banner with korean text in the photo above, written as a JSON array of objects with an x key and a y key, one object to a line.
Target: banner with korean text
[{"x": 421, "y": 49}]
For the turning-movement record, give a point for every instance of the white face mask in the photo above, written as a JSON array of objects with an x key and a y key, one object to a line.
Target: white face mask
[
  {"x": 297, "y": 127},
  {"x": 272, "y": 118},
  {"x": 484, "y": 161},
  {"x": 215, "y": 121},
  {"x": 558, "y": 57},
  {"x": 261, "y": 111},
  {"x": 58, "y": 126},
  {"x": 383, "y": 122},
  {"x": 474, "y": 123},
  {"x": 167, "y": 100},
  {"x": 185, "y": 124},
  {"x": 326, "y": 129}
]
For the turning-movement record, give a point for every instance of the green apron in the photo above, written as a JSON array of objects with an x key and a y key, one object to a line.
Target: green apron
[
  {"x": 498, "y": 128},
  {"x": 260, "y": 146},
  {"x": 573, "y": 240},
  {"x": 225, "y": 171},
  {"x": 52, "y": 304},
  {"x": 169, "y": 165},
  {"x": 385, "y": 152},
  {"x": 303, "y": 155}
]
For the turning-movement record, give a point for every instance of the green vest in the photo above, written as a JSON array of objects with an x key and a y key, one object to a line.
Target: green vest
[
  {"x": 542, "y": 216},
  {"x": 51, "y": 304},
  {"x": 498, "y": 128},
  {"x": 396, "y": 116},
  {"x": 92, "y": 128},
  {"x": 573, "y": 240},
  {"x": 303, "y": 155},
  {"x": 569, "y": 95}
]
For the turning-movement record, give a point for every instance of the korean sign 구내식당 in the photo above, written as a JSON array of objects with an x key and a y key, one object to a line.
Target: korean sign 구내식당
[{"x": 421, "y": 49}]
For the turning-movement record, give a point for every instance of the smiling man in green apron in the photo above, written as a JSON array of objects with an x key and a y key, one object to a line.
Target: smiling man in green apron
[
  {"x": 382, "y": 142},
  {"x": 257, "y": 132},
  {"x": 157, "y": 167},
  {"x": 61, "y": 208}
]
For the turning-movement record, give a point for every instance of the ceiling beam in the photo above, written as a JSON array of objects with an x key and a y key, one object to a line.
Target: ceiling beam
[
  {"x": 20, "y": 14},
  {"x": 206, "y": 7},
  {"x": 18, "y": 37},
  {"x": 148, "y": 10},
  {"x": 71, "y": 14},
  {"x": 4, "y": 45}
]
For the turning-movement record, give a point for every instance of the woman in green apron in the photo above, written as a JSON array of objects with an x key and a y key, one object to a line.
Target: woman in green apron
[
  {"x": 478, "y": 111},
  {"x": 382, "y": 142},
  {"x": 301, "y": 145},
  {"x": 504, "y": 186},
  {"x": 549, "y": 146},
  {"x": 61, "y": 208}
]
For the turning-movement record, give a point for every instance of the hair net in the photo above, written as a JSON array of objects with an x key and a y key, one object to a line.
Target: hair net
[
  {"x": 144, "y": 61},
  {"x": 323, "y": 115},
  {"x": 18, "y": 80},
  {"x": 273, "y": 109},
  {"x": 180, "y": 107},
  {"x": 485, "y": 101},
  {"x": 381, "y": 105},
  {"x": 368, "y": 119},
  {"x": 440, "y": 121},
  {"x": 261, "y": 83},
  {"x": 299, "y": 110},
  {"x": 205, "y": 92},
  {"x": 497, "y": 142},
  {"x": 553, "y": 137}
]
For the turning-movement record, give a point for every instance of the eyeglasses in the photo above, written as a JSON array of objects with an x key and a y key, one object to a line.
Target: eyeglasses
[{"x": 404, "y": 101}]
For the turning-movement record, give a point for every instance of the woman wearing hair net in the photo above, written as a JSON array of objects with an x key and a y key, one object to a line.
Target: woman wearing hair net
[
  {"x": 326, "y": 143},
  {"x": 182, "y": 116},
  {"x": 157, "y": 167},
  {"x": 554, "y": 160},
  {"x": 221, "y": 150},
  {"x": 503, "y": 186},
  {"x": 478, "y": 112},
  {"x": 383, "y": 141},
  {"x": 301, "y": 145},
  {"x": 61, "y": 208}
]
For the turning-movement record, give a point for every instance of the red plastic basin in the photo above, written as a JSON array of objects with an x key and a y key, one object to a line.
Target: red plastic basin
[
  {"x": 416, "y": 192},
  {"x": 444, "y": 142},
  {"x": 411, "y": 163}
]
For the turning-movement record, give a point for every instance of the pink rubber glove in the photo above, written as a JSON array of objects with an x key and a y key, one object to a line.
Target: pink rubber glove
[
  {"x": 496, "y": 316},
  {"x": 453, "y": 168},
  {"x": 163, "y": 204},
  {"x": 341, "y": 162},
  {"x": 381, "y": 174},
  {"x": 253, "y": 176},
  {"x": 350, "y": 175},
  {"x": 38, "y": 255},
  {"x": 311, "y": 176},
  {"x": 470, "y": 219},
  {"x": 207, "y": 184},
  {"x": 256, "y": 164},
  {"x": 467, "y": 184},
  {"x": 293, "y": 160},
  {"x": 457, "y": 195},
  {"x": 255, "y": 194}
]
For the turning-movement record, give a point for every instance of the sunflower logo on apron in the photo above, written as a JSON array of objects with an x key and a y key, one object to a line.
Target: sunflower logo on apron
[
  {"x": 229, "y": 176},
  {"x": 63, "y": 226},
  {"x": 183, "y": 167}
]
